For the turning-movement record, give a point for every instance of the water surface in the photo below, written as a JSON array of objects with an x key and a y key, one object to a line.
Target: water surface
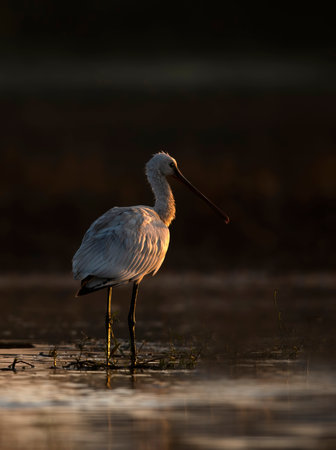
[{"x": 263, "y": 379}]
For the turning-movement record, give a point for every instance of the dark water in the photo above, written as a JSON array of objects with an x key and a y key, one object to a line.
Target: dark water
[{"x": 265, "y": 377}]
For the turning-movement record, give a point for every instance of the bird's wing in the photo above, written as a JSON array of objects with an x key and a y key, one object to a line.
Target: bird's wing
[{"x": 121, "y": 245}]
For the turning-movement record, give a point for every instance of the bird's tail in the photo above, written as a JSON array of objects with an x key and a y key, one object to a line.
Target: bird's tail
[{"x": 92, "y": 284}]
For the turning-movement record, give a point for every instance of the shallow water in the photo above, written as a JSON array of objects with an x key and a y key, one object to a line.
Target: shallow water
[{"x": 262, "y": 380}]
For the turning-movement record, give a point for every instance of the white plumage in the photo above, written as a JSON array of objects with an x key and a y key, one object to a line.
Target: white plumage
[{"x": 122, "y": 245}]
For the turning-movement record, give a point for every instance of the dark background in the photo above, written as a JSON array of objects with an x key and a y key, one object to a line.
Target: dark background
[{"x": 243, "y": 97}]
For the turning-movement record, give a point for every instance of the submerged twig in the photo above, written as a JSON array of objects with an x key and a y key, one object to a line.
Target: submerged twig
[{"x": 12, "y": 367}]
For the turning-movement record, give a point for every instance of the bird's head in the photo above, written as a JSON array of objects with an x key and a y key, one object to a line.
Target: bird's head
[{"x": 163, "y": 164}]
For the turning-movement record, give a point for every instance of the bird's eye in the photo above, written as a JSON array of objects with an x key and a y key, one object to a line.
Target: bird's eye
[{"x": 172, "y": 165}]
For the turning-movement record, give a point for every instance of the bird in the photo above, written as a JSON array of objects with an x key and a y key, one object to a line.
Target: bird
[{"x": 127, "y": 243}]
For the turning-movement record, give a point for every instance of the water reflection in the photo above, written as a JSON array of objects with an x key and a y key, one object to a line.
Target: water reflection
[
  {"x": 248, "y": 391},
  {"x": 265, "y": 404}
]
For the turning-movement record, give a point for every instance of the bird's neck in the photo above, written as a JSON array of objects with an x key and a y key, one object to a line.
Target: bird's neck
[{"x": 164, "y": 199}]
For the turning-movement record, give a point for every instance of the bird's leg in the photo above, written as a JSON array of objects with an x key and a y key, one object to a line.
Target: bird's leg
[
  {"x": 131, "y": 322},
  {"x": 108, "y": 323}
]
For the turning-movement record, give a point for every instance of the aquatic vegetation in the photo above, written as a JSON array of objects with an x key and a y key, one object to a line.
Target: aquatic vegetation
[
  {"x": 151, "y": 356},
  {"x": 289, "y": 346},
  {"x": 53, "y": 353}
]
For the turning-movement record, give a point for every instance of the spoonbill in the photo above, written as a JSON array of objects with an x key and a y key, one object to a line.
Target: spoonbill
[{"x": 127, "y": 243}]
